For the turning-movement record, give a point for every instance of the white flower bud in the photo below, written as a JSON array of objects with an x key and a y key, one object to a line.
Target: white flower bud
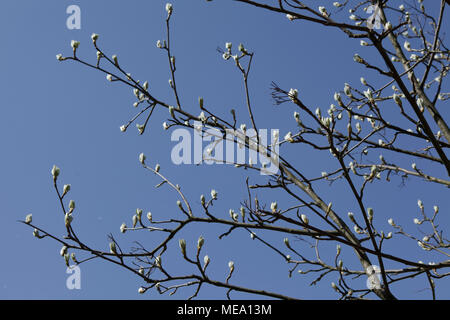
[
  {"x": 141, "y": 290},
  {"x": 36, "y": 233},
  {"x": 68, "y": 219},
  {"x": 202, "y": 200},
  {"x": 214, "y": 194},
  {"x": 94, "y": 37},
  {"x": 323, "y": 11},
  {"x": 55, "y": 172},
  {"x": 290, "y": 17},
  {"x": 74, "y": 44},
  {"x": 63, "y": 251},
  {"x": 59, "y": 57},
  {"x": 391, "y": 222},
  {"x": 71, "y": 205},
  {"x": 334, "y": 286},
  {"x": 304, "y": 218},
  {"x": 288, "y": 137},
  {"x": 407, "y": 46},
  {"x": 420, "y": 204},
  {"x": 357, "y": 58},
  {"x": 436, "y": 209},
  {"x": 142, "y": 158},
  {"x": 66, "y": 188},
  {"x": 29, "y": 218},
  {"x": 123, "y": 227},
  {"x": 231, "y": 266},
  {"x": 169, "y": 8},
  {"x": 109, "y": 77},
  {"x": 200, "y": 242},
  {"x": 206, "y": 261},
  {"x": 293, "y": 94},
  {"x": 112, "y": 248},
  {"x": 274, "y": 207},
  {"x": 286, "y": 242},
  {"x": 228, "y": 45},
  {"x": 387, "y": 26},
  {"x": 182, "y": 244}
]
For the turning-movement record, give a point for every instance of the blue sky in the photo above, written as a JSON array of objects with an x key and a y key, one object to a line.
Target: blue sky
[{"x": 65, "y": 114}]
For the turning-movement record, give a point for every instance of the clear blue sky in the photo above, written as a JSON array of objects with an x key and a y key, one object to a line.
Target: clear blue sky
[{"x": 66, "y": 114}]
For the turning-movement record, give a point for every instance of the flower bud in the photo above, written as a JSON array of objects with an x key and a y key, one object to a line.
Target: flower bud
[
  {"x": 202, "y": 200},
  {"x": 304, "y": 219},
  {"x": 74, "y": 44},
  {"x": 206, "y": 260},
  {"x": 55, "y": 172},
  {"x": 66, "y": 258},
  {"x": 71, "y": 205},
  {"x": 158, "y": 261},
  {"x": 288, "y": 137},
  {"x": 391, "y": 222},
  {"x": 370, "y": 214},
  {"x": 142, "y": 158},
  {"x": 141, "y": 290},
  {"x": 290, "y": 17},
  {"x": 94, "y": 37},
  {"x": 200, "y": 242},
  {"x": 123, "y": 227},
  {"x": 68, "y": 219},
  {"x": 357, "y": 58},
  {"x": 334, "y": 286},
  {"x": 29, "y": 218},
  {"x": 286, "y": 242},
  {"x": 112, "y": 247},
  {"x": 293, "y": 94},
  {"x": 231, "y": 266},
  {"x": 36, "y": 233},
  {"x": 182, "y": 244},
  {"x": 274, "y": 207},
  {"x": 214, "y": 194},
  {"x": 66, "y": 188},
  {"x": 420, "y": 204},
  {"x": 63, "y": 251}
]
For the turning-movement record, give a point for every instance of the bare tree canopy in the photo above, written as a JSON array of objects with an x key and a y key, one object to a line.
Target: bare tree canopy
[{"x": 390, "y": 129}]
